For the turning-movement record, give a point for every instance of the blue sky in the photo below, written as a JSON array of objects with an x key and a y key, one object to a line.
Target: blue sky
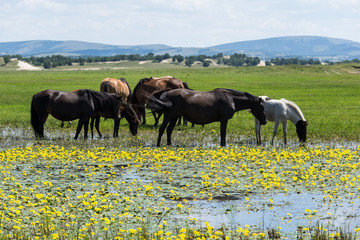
[{"x": 178, "y": 23}]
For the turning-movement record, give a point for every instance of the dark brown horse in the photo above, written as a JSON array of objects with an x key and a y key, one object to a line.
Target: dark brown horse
[
  {"x": 118, "y": 86},
  {"x": 67, "y": 106},
  {"x": 121, "y": 88},
  {"x": 126, "y": 111},
  {"x": 218, "y": 105},
  {"x": 148, "y": 86}
]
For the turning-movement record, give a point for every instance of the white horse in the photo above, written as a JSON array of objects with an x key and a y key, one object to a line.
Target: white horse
[{"x": 280, "y": 111}]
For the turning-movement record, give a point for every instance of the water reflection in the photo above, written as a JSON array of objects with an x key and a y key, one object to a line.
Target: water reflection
[{"x": 286, "y": 213}]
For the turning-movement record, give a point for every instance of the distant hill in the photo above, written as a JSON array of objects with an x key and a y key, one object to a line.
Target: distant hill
[
  {"x": 323, "y": 48},
  {"x": 74, "y": 48}
]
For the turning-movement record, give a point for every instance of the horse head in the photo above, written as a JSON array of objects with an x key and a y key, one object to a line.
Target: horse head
[
  {"x": 128, "y": 112},
  {"x": 301, "y": 127},
  {"x": 258, "y": 111}
]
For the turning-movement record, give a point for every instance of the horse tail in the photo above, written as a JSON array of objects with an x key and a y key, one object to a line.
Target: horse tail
[
  {"x": 157, "y": 105},
  {"x": 35, "y": 120}
]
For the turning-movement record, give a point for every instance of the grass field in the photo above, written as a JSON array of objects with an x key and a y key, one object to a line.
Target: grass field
[{"x": 327, "y": 95}]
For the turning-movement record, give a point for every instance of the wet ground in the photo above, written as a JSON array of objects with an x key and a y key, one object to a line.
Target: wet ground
[{"x": 283, "y": 212}]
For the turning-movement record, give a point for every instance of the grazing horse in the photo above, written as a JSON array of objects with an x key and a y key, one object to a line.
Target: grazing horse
[
  {"x": 118, "y": 86},
  {"x": 121, "y": 88},
  {"x": 126, "y": 111},
  {"x": 218, "y": 105},
  {"x": 67, "y": 106},
  {"x": 148, "y": 86},
  {"x": 281, "y": 111}
]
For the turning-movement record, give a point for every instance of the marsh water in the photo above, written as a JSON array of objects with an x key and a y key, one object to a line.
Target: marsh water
[{"x": 283, "y": 212}]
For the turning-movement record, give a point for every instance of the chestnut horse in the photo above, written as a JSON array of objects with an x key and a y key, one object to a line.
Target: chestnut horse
[
  {"x": 148, "y": 86},
  {"x": 218, "y": 105},
  {"x": 67, "y": 106},
  {"x": 118, "y": 86}
]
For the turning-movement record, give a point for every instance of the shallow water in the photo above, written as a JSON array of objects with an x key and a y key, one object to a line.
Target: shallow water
[
  {"x": 289, "y": 214},
  {"x": 23, "y": 137},
  {"x": 285, "y": 212}
]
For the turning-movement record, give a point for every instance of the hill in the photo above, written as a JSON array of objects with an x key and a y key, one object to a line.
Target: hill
[
  {"x": 301, "y": 46},
  {"x": 295, "y": 46},
  {"x": 73, "y": 48}
]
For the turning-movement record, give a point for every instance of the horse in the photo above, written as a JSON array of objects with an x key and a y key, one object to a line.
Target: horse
[
  {"x": 121, "y": 88},
  {"x": 148, "y": 86},
  {"x": 118, "y": 86},
  {"x": 67, "y": 106},
  {"x": 281, "y": 111},
  {"x": 218, "y": 105},
  {"x": 126, "y": 111}
]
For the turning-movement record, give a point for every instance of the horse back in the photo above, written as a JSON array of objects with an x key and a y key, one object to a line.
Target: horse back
[
  {"x": 201, "y": 107},
  {"x": 118, "y": 86},
  {"x": 65, "y": 106}
]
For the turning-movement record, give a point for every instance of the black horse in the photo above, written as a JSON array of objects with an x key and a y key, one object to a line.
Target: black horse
[
  {"x": 218, "y": 105},
  {"x": 81, "y": 104},
  {"x": 126, "y": 111}
]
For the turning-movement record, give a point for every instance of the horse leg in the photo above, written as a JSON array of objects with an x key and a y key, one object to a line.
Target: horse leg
[
  {"x": 284, "y": 125},
  {"x": 223, "y": 124},
  {"x": 116, "y": 127},
  {"x": 86, "y": 127},
  {"x": 257, "y": 131},
  {"x": 97, "y": 122},
  {"x": 62, "y": 124},
  {"x": 275, "y": 131},
  {"x": 157, "y": 118},
  {"x": 170, "y": 129},
  {"x": 162, "y": 129},
  {"x": 143, "y": 115},
  {"x": 78, "y": 129},
  {"x": 92, "y": 127}
]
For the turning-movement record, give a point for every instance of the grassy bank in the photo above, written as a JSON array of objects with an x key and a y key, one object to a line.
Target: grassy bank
[{"x": 327, "y": 95}]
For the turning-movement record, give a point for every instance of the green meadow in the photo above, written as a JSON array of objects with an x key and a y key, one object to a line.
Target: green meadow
[{"x": 327, "y": 95}]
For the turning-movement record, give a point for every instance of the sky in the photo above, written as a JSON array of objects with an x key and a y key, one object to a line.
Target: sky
[{"x": 177, "y": 23}]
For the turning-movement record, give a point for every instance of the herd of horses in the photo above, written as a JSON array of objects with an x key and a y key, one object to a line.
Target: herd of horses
[{"x": 166, "y": 96}]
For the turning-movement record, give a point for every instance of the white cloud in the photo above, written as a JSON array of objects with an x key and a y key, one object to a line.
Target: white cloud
[{"x": 41, "y": 4}]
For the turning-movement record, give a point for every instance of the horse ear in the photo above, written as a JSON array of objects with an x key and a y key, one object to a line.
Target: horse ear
[
  {"x": 262, "y": 102},
  {"x": 306, "y": 123}
]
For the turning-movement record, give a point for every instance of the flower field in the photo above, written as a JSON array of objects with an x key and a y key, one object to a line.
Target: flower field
[{"x": 56, "y": 192}]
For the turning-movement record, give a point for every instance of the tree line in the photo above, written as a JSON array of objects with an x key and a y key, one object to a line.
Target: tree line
[{"x": 235, "y": 60}]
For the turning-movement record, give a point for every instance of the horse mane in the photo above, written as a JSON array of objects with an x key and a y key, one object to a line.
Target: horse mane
[
  {"x": 265, "y": 98},
  {"x": 186, "y": 86},
  {"x": 240, "y": 93},
  {"x": 100, "y": 100},
  {"x": 133, "y": 95},
  {"x": 294, "y": 106},
  {"x": 252, "y": 97}
]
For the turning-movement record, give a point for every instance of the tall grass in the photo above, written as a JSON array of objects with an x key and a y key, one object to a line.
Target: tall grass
[{"x": 327, "y": 95}]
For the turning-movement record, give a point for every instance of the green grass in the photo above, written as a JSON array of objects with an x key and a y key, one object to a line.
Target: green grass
[{"x": 327, "y": 95}]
